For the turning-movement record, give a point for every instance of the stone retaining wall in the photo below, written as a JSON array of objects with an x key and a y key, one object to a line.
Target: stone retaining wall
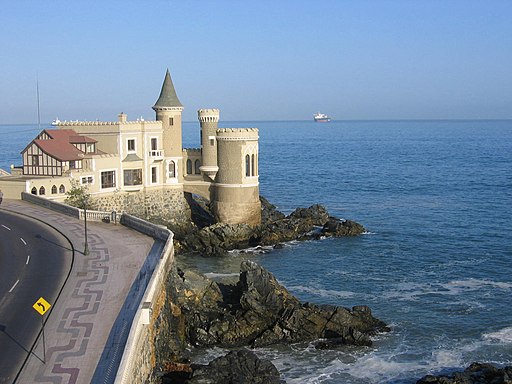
[{"x": 158, "y": 205}]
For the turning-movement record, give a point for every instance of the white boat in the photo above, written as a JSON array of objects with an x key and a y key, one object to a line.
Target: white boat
[
  {"x": 56, "y": 121},
  {"x": 321, "y": 118}
]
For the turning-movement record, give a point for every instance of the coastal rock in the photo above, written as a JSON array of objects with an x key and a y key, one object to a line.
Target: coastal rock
[
  {"x": 269, "y": 211},
  {"x": 258, "y": 311},
  {"x": 476, "y": 373},
  {"x": 219, "y": 238},
  {"x": 241, "y": 367},
  {"x": 314, "y": 215},
  {"x": 336, "y": 227},
  {"x": 276, "y": 228}
]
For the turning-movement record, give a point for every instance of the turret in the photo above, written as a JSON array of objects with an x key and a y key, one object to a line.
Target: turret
[
  {"x": 208, "y": 120},
  {"x": 235, "y": 193},
  {"x": 168, "y": 110}
]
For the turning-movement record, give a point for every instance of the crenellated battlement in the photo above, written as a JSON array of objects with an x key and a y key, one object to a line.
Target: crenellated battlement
[
  {"x": 208, "y": 115},
  {"x": 192, "y": 150},
  {"x": 237, "y": 130},
  {"x": 237, "y": 134},
  {"x": 76, "y": 123}
]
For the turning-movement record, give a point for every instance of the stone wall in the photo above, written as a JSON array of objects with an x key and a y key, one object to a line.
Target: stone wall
[{"x": 161, "y": 205}]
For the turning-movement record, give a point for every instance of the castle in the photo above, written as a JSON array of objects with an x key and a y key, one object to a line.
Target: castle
[{"x": 139, "y": 167}]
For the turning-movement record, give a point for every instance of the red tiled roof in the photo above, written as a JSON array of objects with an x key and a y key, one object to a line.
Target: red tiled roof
[
  {"x": 60, "y": 134},
  {"x": 81, "y": 139},
  {"x": 63, "y": 151},
  {"x": 60, "y": 146}
]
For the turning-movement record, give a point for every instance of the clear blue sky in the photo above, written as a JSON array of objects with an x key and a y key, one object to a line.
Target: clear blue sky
[{"x": 257, "y": 60}]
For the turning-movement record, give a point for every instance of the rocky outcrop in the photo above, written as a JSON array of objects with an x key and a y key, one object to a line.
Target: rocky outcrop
[
  {"x": 255, "y": 311},
  {"x": 302, "y": 224},
  {"x": 241, "y": 367},
  {"x": 476, "y": 373},
  {"x": 258, "y": 311}
]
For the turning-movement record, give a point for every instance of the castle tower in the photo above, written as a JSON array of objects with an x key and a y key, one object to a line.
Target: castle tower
[
  {"x": 168, "y": 110},
  {"x": 208, "y": 120},
  {"x": 235, "y": 194}
]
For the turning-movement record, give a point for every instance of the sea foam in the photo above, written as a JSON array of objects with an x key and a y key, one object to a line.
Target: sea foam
[{"x": 503, "y": 335}]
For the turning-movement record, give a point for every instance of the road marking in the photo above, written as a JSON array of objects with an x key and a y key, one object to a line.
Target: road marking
[
  {"x": 28, "y": 259},
  {"x": 6, "y": 227},
  {"x": 14, "y": 286},
  {"x": 23, "y": 241}
]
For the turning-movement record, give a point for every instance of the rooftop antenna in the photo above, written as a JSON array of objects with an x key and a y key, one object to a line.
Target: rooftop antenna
[{"x": 38, "y": 107}]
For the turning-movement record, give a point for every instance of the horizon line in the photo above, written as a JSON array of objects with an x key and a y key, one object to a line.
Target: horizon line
[{"x": 310, "y": 120}]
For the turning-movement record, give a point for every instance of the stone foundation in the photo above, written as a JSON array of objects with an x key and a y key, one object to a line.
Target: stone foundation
[{"x": 156, "y": 205}]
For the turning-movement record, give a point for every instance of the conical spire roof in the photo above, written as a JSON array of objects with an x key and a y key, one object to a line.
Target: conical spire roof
[{"x": 168, "y": 97}]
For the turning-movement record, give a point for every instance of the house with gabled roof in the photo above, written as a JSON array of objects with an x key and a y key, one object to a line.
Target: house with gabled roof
[{"x": 54, "y": 152}]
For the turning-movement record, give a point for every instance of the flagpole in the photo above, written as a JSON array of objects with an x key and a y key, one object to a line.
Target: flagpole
[{"x": 38, "y": 106}]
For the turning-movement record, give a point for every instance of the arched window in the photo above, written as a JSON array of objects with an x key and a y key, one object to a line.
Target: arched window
[
  {"x": 247, "y": 165},
  {"x": 197, "y": 164},
  {"x": 34, "y": 191},
  {"x": 172, "y": 169},
  {"x": 62, "y": 189},
  {"x": 189, "y": 167},
  {"x": 42, "y": 191},
  {"x": 253, "y": 166},
  {"x": 54, "y": 189}
]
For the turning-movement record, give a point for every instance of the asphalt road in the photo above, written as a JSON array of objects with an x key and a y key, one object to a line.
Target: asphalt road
[{"x": 35, "y": 261}]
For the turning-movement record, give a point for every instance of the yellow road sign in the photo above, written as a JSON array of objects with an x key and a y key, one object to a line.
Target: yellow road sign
[{"x": 41, "y": 306}]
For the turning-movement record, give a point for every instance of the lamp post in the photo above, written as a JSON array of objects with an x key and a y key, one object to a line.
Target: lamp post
[{"x": 85, "y": 202}]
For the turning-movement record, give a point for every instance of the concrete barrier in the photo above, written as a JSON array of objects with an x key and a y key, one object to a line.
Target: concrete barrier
[
  {"x": 137, "y": 364},
  {"x": 50, "y": 204},
  {"x": 68, "y": 209},
  {"x": 155, "y": 231}
]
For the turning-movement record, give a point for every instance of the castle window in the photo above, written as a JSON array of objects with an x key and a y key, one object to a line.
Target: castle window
[
  {"x": 172, "y": 169},
  {"x": 154, "y": 175},
  {"x": 253, "y": 173},
  {"x": 34, "y": 191},
  {"x": 91, "y": 148},
  {"x": 87, "y": 180},
  {"x": 247, "y": 165},
  {"x": 108, "y": 179},
  {"x": 171, "y": 121},
  {"x": 131, "y": 144},
  {"x": 189, "y": 167},
  {"x": 197, "y": 164},
  {"x": 62, "y": 189},
  {"x": 132, "y": 176},
  {"x": 42, "y": 191},
  {"x": 154, "y": 144},
  {"x": 54, "y": 189}
]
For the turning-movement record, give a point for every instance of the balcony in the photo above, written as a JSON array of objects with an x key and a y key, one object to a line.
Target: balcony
[{"x": 156, "y": 154}]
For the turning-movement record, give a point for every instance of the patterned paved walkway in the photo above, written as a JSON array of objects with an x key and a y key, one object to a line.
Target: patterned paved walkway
[{"x": 79, "y": 325}]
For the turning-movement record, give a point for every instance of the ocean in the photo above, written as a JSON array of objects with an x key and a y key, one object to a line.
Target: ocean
[{"x": 435, "y": 263}]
